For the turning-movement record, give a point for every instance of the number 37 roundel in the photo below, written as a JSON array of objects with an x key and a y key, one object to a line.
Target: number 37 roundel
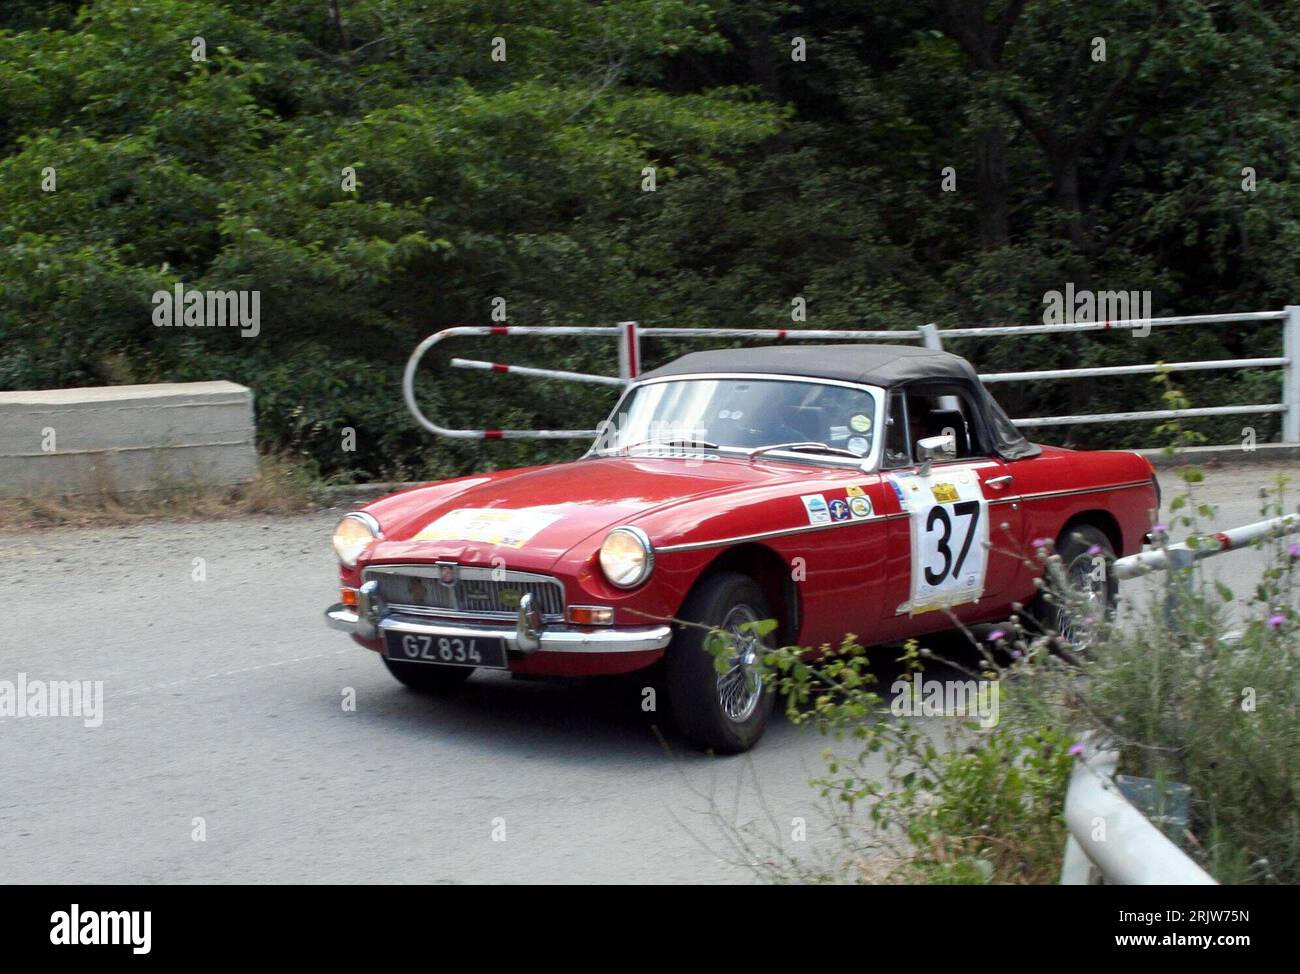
[{"x": 950, "y": 529}]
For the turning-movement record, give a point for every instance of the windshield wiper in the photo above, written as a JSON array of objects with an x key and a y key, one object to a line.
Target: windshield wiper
[
  {"x": 808, "y": 445},
  {"x": 683, "y": 441}
]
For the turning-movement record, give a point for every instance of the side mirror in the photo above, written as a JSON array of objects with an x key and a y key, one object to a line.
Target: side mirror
[{"x": 934, "y": 446}]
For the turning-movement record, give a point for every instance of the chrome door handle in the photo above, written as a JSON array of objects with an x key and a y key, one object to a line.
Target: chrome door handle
[{"x": 1000, "y": 482}]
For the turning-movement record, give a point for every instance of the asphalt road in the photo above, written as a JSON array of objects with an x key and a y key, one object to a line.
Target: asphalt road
[{"x": 226, "y": 754}]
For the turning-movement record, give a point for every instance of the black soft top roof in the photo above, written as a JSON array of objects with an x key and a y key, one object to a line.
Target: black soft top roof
[
  {"x": 888, "y": 366},
  {"x": 878, "y": 365}
]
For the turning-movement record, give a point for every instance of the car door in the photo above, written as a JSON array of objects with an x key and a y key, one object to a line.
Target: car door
[{"x": 955, "y": 539}]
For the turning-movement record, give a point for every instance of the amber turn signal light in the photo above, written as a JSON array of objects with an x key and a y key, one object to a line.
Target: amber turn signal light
[{"x": 591, "y": 615}]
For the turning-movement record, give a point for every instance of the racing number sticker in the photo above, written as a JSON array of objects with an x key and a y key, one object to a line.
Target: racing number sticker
[{"x": 950, "y": 528}]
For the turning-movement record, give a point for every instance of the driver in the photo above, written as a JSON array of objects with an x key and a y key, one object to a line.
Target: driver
[{"x": 919, "y": 425}]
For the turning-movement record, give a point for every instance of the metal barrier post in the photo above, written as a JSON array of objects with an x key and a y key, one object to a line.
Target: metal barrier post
[
  {"x": 1178, "y": 583},
  {"x": 1291, "y": 377},
  {"x": 629, "y": 350},
  {"x": 930, "y": 336}
]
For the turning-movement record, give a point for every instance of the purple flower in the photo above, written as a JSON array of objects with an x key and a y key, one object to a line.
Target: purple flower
[
  {"x": 997, "y": 634},
  {"x": 1076, "y": 750},
  {"x": 1160, "y": 529},
  {"x": 1042, "y": 542},
  {"x": 1095, "y": 550},
  {"x": 1015, "y": 654},
  {"x": 1293, "y": 550},
  {"x": 1275, "y": 621}
]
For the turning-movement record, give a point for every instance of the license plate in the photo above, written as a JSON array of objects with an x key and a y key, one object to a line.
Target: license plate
[{"x": 416, "y": 647}]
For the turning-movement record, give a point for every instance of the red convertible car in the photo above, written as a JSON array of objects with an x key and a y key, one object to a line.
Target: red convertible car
[{"x": 837, "y": 489}]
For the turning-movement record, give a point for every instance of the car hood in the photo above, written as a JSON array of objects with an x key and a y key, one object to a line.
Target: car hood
[{"x": 542, "y": 512}]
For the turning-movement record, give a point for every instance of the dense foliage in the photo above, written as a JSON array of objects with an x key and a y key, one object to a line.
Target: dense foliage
[{"x": 776, "y": 177}]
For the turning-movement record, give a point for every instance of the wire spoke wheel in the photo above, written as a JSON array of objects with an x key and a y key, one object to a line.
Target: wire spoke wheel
[
  {"x": 1087, "y": 601},
  {"x": 716, "y": 689},
  {"x": 740, "y": 686}
]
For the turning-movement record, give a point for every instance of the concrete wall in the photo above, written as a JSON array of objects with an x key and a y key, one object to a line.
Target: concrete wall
[{"x": 125, "y": 438}]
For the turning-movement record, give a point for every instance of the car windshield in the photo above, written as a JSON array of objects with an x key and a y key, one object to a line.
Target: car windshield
[{"x": 742, "y": 414}]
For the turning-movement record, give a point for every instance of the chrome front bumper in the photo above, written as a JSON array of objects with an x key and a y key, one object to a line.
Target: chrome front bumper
[{"x": 370, "y": 620}]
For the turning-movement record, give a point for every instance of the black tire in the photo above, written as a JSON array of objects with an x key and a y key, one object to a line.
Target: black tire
[
  {"x": 428, "y": 677},
  {"x": 1078, "y": 547},
  {"x": 695, "y": 688}
]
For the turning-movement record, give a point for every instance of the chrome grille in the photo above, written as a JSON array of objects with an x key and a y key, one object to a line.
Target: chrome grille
[{"x": 477, "y": 592}]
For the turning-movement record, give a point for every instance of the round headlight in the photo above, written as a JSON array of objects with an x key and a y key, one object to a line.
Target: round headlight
[
  {"x": 627, "y": 557},
  {"x": 354, "y": 535}
]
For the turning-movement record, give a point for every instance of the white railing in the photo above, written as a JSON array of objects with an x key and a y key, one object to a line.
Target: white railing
[
  {"x": 1206, "y": 546},
  {"x": 1288, "y": 361},
  {"x": 630, "y": 333},
  {"x": 1109, "y": 838}
]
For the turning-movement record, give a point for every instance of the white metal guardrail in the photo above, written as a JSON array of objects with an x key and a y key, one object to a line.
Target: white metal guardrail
[
  {"x": 1288, "y": 361},
  {"x": 1183, "y": 555},
  {"x": 629, "y": 335},
  {"x": 1109, "y": 838},
  {"x": 1112, "y": 840}
]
